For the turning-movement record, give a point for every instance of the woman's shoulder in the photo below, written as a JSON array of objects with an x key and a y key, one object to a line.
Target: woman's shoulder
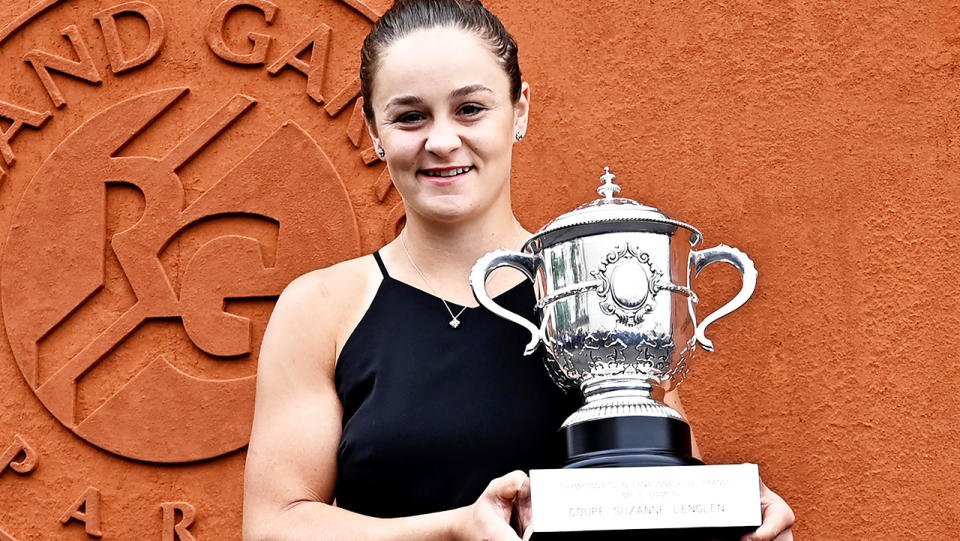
[
  {"x": 329, "y": 302},
  {"x": 331, "y": 288},
  {"x": 340, "y": 281}
]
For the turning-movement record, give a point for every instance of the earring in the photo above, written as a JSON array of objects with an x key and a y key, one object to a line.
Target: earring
[
  {"x": 381, "y": 153},
  {"x": 520, "y": 135}
]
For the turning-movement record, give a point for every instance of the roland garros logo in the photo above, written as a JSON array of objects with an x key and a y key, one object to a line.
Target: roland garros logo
[{"x": 134, "y": 291}]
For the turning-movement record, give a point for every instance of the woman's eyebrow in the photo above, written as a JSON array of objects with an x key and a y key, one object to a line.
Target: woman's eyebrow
[
  {"x": 400, "y": 101},
  {"x": 469, "y": 89}
]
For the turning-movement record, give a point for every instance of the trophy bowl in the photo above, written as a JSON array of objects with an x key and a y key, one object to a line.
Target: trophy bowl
[{"x": 618, "y": 320}]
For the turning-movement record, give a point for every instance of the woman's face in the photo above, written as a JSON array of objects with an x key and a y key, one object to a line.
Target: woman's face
[{"x": 444, "y": 118}]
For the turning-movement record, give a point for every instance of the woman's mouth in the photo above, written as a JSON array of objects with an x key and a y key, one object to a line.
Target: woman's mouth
[{"x": 444, "y": 174}]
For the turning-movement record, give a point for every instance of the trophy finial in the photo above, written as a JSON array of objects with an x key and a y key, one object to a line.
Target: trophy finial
[{"x": 608, "y": 189}]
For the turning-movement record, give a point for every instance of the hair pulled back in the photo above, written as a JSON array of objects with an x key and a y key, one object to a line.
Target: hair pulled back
[{"x": 406, "y": 16}]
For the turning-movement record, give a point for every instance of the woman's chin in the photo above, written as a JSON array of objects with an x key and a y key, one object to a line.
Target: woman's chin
[{"x": 447, "y": 212}]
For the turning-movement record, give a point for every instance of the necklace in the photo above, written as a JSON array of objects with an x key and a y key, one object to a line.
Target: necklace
[{"x": 454, "y": 319}]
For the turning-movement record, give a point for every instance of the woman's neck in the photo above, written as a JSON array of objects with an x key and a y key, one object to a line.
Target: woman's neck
[{"x": 445, "y": 254}]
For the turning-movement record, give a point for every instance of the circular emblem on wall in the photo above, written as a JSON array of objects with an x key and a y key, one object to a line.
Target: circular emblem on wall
[{"x": 66, "y": 258}]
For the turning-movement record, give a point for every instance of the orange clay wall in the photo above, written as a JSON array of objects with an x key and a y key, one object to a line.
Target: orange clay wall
[{"x": 166, "y": 166}]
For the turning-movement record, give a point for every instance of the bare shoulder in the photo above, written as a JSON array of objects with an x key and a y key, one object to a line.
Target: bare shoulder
[
  {"x": 331, "y": 284},
  {"x": 318, "y": 310}
]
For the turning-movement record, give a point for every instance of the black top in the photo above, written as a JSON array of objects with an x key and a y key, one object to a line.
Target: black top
[{"x": 430, "y": 413}]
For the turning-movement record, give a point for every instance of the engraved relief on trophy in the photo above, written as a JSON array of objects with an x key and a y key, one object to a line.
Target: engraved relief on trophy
[{"x": 629, "y": 284}]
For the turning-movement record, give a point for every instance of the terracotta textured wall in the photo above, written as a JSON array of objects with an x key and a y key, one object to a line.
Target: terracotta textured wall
[{"x": 156, "y": 199}]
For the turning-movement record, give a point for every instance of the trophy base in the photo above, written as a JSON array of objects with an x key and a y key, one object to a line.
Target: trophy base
[
  {"x": 614, "y": 487},
  {"x": 629, "y": 441},
  {"x": 665, "y": 534},
  {"x": 688, "y": 503}
]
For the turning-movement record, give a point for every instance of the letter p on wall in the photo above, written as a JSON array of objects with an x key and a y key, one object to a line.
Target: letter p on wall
[{"x": 18, "y": 448}]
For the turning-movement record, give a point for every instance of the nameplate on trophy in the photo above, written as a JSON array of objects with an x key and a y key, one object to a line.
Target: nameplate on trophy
[{"x": 570, "y": 503}]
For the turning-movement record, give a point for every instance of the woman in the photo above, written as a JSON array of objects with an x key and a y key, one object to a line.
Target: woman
[{"x": 380, "y": 385}]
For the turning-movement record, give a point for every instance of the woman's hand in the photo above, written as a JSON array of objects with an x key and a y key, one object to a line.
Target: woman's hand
[
  {"x": 489, "y": 517},
  {"x": 776, "y": 518}
]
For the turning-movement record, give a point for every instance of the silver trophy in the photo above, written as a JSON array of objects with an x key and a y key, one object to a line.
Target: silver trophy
[{"x": 618, "y": 319}]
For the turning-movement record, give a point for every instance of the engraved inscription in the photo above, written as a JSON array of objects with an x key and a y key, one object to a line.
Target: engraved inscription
[
  {"x": 19, "y": 456},
  {"x": 177, "y": 519},
  {"x": 86, "y": 510},
  {"x": 318, "y": 44},
  {"x": 261, "y": 42},
  {"x": 18, "y": 118},
  {"x": 122, "y": 60},
  {"x": 343, "y": 98},
  {"x": 119, "y": 60},
  {"x": 43, "y": 63}
]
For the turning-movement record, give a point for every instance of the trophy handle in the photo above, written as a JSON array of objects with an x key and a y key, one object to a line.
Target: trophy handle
[
  {"x": 728, "y": 254},
  {"x": 525, "y": 263}
]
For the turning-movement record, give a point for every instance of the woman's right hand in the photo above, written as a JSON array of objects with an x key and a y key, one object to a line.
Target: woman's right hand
[{"x": 489, "y": 518}]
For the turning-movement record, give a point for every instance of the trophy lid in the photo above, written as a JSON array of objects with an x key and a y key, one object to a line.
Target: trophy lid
[{"x": 609, "y": 214}]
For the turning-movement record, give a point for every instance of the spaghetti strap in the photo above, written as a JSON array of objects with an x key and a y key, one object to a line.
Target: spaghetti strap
[{"x": 376, "y": 255}]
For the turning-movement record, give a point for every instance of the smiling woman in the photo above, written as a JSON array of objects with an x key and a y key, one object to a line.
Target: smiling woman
[
  {"x": 443, "y": 113},
  {"x": 388, "y": 405}
]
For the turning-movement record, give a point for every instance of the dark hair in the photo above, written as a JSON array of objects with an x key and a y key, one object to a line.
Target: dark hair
[{"x": 405, "y": 16}]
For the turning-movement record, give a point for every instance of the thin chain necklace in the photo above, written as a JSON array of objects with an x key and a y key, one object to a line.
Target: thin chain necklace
[{"x": 454, "y": 319}]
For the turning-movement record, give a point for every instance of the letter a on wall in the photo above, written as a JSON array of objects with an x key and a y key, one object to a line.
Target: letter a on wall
[{"x": 86, "y": 510}]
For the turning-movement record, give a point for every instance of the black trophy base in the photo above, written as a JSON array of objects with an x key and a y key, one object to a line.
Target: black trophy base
[{"x": 629, "y": 442}]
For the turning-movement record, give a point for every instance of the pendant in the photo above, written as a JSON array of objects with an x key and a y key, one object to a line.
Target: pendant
[{"x": 454, "y": 323}]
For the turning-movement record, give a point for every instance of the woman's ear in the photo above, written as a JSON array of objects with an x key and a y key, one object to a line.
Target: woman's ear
[
  {"x": 521, "y": 112},
  {"x": 372, "y": 130}
]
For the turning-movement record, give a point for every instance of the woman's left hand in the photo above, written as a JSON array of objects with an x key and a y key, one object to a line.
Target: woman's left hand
[
  {"x": 776, "y": 518},
  {"x": 522, "y": 516}
]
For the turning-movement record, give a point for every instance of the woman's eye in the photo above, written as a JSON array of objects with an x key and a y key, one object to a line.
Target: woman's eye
[
  {"x": 471, "y": 109},
  {"x": 411, "y": 117}
]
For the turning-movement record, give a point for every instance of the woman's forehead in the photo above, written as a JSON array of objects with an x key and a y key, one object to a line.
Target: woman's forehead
[{"x": 435, "y": 62}]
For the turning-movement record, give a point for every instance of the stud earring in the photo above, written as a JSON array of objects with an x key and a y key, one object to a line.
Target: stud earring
[
  {"x": 381, "y": 153},
  {"x": 520, "y": 135}
]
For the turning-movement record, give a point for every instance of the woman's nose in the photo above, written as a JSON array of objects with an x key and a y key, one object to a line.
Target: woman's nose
[{"x": 442, "y": 138}]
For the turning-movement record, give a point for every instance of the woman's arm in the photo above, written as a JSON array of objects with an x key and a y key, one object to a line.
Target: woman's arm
[
  {"x": 672, "y": 399},
  {"x": 291, "y": 461}
]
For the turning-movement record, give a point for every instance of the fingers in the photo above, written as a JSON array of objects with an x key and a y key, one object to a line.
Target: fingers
[
  {"x": 500, "y": 497},
  {"x": 522, "y": 512},
  {"x": 785, "y": 536},
  {"x": 509, "y": 486},
  {"x": 776, "y": 518},
  {"x": 524, "y": 492}
]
